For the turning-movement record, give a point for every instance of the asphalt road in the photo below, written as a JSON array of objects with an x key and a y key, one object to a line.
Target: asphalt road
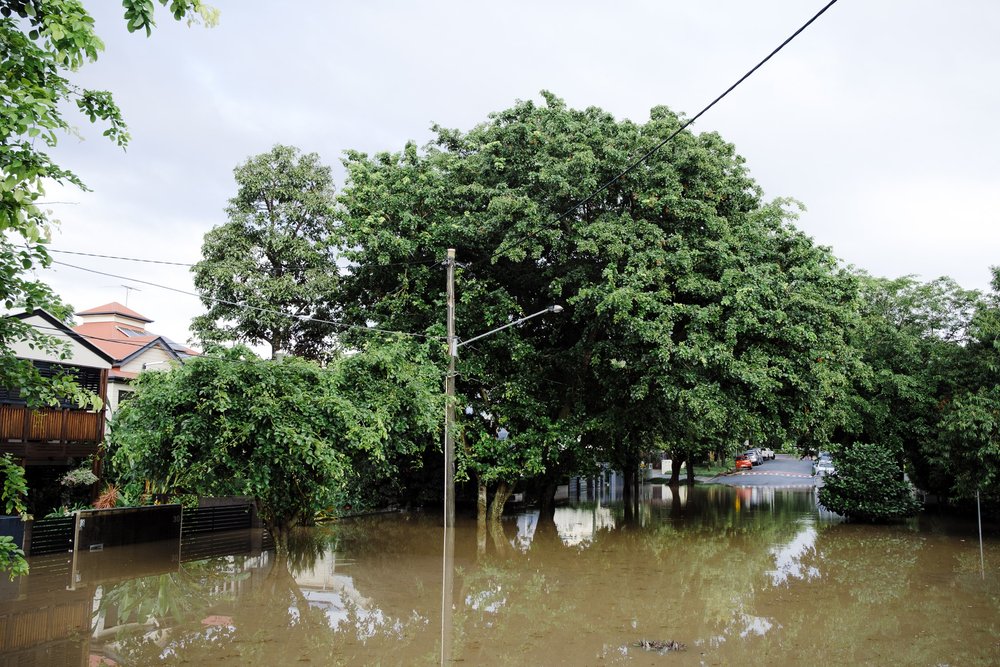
[{"x": 784, "y": 470}]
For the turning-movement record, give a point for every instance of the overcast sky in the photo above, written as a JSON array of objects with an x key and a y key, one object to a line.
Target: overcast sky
[{"x": 882, "y": 117}]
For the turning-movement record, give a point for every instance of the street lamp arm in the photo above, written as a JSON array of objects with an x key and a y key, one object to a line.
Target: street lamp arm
[{"x": 550, "y": 309}]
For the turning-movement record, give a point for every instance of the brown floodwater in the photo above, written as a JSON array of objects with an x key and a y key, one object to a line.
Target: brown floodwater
[{"x": 737, "y": 576}]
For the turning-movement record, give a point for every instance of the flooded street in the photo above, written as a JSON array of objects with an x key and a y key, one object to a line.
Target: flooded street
[{"x": 755, "y": 576}]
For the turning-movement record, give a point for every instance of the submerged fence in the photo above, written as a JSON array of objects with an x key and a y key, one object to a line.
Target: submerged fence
[{"x": 201, "y": 529}]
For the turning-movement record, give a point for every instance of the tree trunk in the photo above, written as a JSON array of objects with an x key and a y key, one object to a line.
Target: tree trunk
[
  {"x": 675, "y": 468},
  {"x": 279, "y": 535},
  {"x": 690, "y": 470},
  {"x": 503, "y": 492},
  {"x": 630, "y": 490},
  {"x": 481, "y": 506},
  {"x": 500, "y": 496},
  {"x": 547, "y": 499}
]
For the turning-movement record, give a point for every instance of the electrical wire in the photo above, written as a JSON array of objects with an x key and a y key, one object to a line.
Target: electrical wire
[
  {"x": 188, "y": 264},
  {"x": 139, "y": 345},
  {"x": 128, "y": 259},
  {"x": 271, "y": 311},
  {"x": 645, "y": 156}
]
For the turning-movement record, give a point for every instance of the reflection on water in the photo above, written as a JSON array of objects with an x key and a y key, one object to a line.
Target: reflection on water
[
  {"x": 739, "y": 576},
  {"x": 788, "y": 558}
]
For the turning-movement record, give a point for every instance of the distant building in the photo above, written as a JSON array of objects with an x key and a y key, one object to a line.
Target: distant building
[{"x": 121, "y": 333}]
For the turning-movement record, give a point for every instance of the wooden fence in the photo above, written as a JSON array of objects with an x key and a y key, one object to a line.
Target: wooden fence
[{"x": 27, "y": 433}]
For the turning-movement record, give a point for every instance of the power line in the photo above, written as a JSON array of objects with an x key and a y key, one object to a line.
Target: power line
[
  {"x": 128, "y": 259},
  {"x": 152, "y": 338},
  {"x": 181, "y": 357},
  {"x": 414, "y": 262},
  {"x": 301, "y": 318},
  {"x": 645, "y": 156}
]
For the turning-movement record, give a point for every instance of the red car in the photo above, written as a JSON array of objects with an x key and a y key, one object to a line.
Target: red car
[{"x": 743, "y": 461}]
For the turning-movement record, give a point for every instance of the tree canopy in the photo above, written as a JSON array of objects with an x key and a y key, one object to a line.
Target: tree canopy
[
  {"x": 289, "y": 433},
  {"x": 695, "y": 313},
  {"x": 268, "y": 275}
]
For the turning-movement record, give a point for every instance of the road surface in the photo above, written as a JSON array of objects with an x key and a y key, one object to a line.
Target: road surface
[{"x": 784, "y": 470}]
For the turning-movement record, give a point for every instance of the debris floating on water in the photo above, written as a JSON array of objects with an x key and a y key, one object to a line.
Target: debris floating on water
[{"x": 660, "y": 646}]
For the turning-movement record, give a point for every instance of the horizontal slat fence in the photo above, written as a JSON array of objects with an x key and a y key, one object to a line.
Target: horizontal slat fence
[
  {"x": 52, "y": 536},
  {"x": 196, "y": 520},
  {"x": 205, "y": 531}
]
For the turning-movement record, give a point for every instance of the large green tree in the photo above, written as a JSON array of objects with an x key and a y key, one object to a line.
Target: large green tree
[
  {"x": 968, "y": 452},
  {"x": 291, "y": 434},
  {"x": 926, "y": 399},
  {"x": 696, "y": 314},
  {"x": 269, "y": 274}
]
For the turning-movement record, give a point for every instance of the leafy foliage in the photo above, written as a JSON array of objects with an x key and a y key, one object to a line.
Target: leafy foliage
[
  {"x": 869, "y": 485},
  {"x": 79, "y": 477},
  {"x": 42, "y": 42},
  {"x": 696, "y": 315},
  {"x": 287, "y": 432},
  {"x": 271, "y": 269},
  {"x": 12, "y": 496}
]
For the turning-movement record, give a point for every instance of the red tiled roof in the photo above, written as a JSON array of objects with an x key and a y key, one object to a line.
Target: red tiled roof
[
  {"x": 115, "y": 308},
  {"x": 111, "y": 341}
]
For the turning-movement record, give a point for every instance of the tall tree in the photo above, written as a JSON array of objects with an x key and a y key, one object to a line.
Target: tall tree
[
  {"x": 695, "y": 312},
  {"x": 968, "y": 451},
  {"x": 269, "y": 274},
  {"x": 914, "y": 338}
]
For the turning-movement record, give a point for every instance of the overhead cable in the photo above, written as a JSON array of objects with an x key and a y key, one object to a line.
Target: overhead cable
[
  {"x": 645, "y": 156},
  {"x": 235, "y": 304}
]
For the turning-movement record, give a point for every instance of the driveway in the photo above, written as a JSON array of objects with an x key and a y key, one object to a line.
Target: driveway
[{"x": 784, "y": 470}]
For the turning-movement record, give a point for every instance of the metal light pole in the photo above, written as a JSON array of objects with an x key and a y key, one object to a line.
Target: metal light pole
[
  {"x": 449, "y": 385},
  {"x": 448, "y": 573},
  {"x": 449, "y": 392}
]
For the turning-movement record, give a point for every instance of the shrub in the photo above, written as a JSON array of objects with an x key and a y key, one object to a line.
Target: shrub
[{"x": 868, "y": 485}]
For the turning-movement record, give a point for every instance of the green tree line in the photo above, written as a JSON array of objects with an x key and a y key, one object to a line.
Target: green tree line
[{"x": 696, "y": 314}]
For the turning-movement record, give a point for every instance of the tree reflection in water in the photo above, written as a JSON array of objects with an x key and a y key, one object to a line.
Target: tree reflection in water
[{"x": 740, "y": 578}]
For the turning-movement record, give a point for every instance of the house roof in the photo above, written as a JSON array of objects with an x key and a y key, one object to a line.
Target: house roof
[
  {"x": 60, "y": 327},
  {"x": 114, "y": 308},
  {"x": 112, "y": 339},
  {"x": 122, "y": 340}
]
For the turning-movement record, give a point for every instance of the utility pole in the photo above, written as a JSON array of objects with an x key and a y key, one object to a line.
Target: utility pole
[
  {"x": 448, "y": 560},
  {"x": 449, "y": 391}
]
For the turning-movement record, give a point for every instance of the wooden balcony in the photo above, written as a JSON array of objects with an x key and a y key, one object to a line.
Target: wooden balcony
[{"x": 41, "y": 435}]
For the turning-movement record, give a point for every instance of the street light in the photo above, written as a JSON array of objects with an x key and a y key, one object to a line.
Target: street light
[
  {"x": 449, "y": 387},
  {"x": 550, "y": 309},
  {"x": 448, "y": 581}
]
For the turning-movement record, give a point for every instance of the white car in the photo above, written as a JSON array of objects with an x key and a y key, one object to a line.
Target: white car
[
  {"x": 767, "y": 453},
  {"x": 823, "y": 467}
]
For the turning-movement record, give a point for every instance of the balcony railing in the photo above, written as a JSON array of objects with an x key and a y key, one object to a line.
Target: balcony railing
[{"x": 49, "y": 431}]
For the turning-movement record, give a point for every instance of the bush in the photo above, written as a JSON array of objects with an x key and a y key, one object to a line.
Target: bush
[{"x": 868, "y": 485}]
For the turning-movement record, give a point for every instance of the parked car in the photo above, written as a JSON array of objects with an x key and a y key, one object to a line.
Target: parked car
[
  {"x": 823, "y": 466},
  {"x": 754, "y": 456},
  {"x": 743, "y": 462},
  {"x": 767, "y": 453}
]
